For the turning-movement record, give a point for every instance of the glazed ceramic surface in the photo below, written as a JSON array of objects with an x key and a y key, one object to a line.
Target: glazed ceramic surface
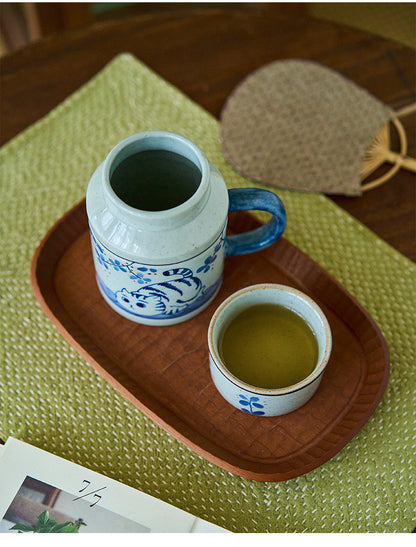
[
  {"x": 164, "y": 267},
  {"x": 260, "y": 401}
]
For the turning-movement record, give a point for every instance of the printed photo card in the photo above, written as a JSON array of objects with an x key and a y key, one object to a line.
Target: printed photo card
[{"x": 41, "y": 492}]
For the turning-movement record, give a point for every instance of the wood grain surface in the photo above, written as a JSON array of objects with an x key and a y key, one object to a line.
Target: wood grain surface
[
  {"x": 164, "y": 371},
  {"x": 205, "y": 54}
]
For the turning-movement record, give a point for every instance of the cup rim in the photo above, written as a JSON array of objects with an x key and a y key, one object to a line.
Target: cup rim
[
  {"x": 317, "y": 371},
  {"x": 194, "y": 202}
]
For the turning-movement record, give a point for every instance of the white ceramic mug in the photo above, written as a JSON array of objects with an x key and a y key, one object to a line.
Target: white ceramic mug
[
  {"x": 260, "y": 401},
  {"x": 161, "y": 267}
]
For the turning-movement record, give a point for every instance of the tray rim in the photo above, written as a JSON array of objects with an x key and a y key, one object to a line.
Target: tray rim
[{"x": 261, "y": 476}]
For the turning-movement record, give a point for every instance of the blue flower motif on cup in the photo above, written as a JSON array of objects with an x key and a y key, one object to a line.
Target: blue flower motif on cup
[
  {"x": 101, "y": 260},
  {"x": 125, "y": 267},
  {"x": 249, "y": 405},
  {"x": 140, "y": 273},
  {"x": 210, "y": 260},
  {"x": 99, "y": 252},
  {"x": 117, "y": 265},
  {"x": 98, "y": 247}
]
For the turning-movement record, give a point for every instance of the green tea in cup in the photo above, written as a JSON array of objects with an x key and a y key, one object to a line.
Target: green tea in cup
[{"x": 269, "y": 346}]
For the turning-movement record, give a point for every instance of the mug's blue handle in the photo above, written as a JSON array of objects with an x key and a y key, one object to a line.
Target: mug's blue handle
[{"x": 245, "y": 199}]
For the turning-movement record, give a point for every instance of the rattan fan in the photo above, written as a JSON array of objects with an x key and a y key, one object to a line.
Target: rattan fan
[
  {"x": 380, "y": 152},
  {"x": 299, "y": 125}
]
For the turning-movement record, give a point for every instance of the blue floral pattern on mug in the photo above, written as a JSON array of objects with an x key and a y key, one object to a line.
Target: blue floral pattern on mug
[
  {"x": 249, "y": 405},
  {"x": 125, "y": 266},
  {"x": 210, "y": 260},
  {"x": 139, "y": 274},
  {"x": 163, "y": 292}
]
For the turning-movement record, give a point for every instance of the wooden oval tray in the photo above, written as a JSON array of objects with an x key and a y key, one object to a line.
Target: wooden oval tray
[{"x": 164, "y": 371}]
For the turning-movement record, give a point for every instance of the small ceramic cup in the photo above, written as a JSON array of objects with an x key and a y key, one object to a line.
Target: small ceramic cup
[{"x": 261, "y": 401}]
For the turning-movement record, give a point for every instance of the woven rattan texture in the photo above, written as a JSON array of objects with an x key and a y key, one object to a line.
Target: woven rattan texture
[
  {"x": 50, "y": 397},
  {"x": 299, "y": 125}
]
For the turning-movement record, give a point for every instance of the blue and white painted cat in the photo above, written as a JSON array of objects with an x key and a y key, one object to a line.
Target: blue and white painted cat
[{"x": 165, "y": 297}]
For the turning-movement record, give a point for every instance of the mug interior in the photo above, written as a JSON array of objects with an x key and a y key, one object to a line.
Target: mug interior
[
  {"x": 155, "y": 171},
  {"x": 282, "y": 295}
]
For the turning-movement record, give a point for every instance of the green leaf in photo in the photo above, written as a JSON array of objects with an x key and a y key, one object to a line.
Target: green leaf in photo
[
  {"x": 43, "y": 518},
  {"x": 22, "y": 527}
]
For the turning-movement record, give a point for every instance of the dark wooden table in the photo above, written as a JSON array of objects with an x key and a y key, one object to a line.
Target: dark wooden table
[{"x": 206, "y": 53}]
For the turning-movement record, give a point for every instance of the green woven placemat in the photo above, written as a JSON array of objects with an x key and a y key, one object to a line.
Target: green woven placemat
[{"x": 52, "y": 398}]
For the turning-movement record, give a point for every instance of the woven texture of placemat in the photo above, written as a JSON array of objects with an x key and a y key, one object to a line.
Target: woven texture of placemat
[
  {"x": 51, "y": 398},
  {"x": 299, "y": 125}
]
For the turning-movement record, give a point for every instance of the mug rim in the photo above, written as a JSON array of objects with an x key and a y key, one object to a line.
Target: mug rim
[
  {"x": 164, "y": 214},
  {"x": 308, "y": 380}
]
